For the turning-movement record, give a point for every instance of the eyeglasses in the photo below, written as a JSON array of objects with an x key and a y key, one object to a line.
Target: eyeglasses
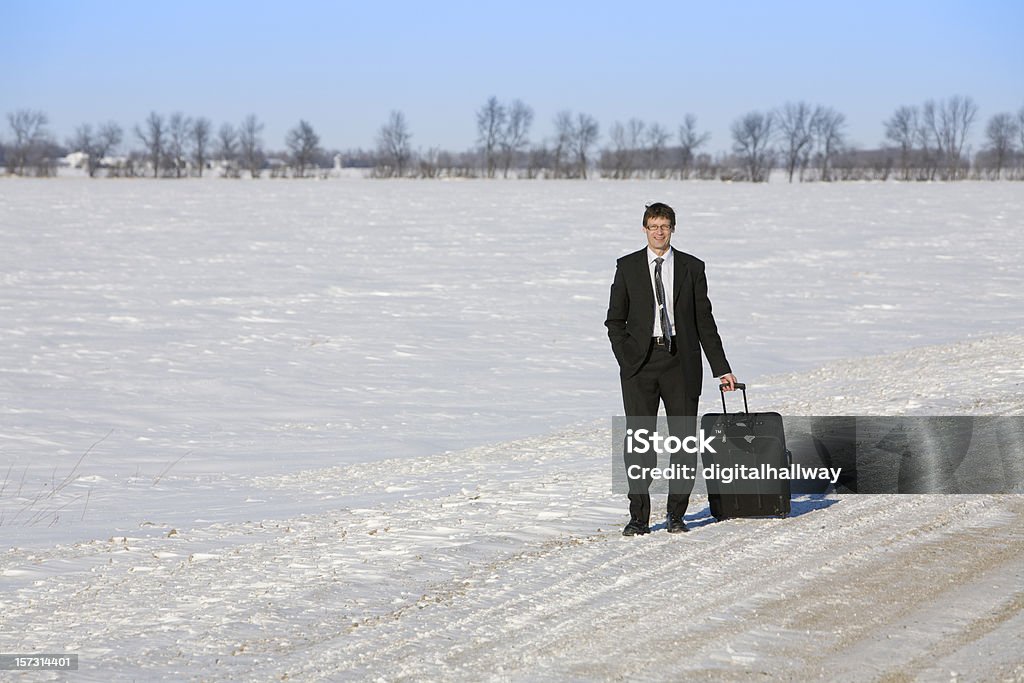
[{"x": 658, "y": 228}]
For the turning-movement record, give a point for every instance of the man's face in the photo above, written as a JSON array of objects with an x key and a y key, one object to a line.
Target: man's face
[{"x": 659, "y": 233}]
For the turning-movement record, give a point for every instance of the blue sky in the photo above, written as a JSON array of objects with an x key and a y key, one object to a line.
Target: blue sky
[{"x": 344, "y": 66}]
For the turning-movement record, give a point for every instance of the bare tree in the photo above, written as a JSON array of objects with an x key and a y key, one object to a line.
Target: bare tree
[
  {"x": 901, "y": 128},
  {"x": 657, "y": 139},
  {"x": 627, "y": 141},
  {"x": 585, "y": 133},
  {"x": 96, "y": 145},
  {"x": 1020, "y": 128},
  {"x": 564, "y": 135},
  {"x": 490, "y": 123},
  {"x": 796, "y": 132},
  {"x": 179, "y": 130},
  {"x": 828, "y": 132},
  {"x": 514, "y": 138},
  {"x": 927, "y": 142},
  {"x": 250, "y": 145},
  {"x": 84, "y": 141},
  {"x": 227, "y": 142},
  {"x": 1001, "y": 133},
  {"x": 227, "y": 149},
  {"x": 636, "y": 130},
  {"x": 304, "y": 145},
  {"x": 949, "y": 123},
  {"x": 613, "y": 160},
  {"x": 751, "y": 136},
  {"x": 393, "y": 144},
  {"x": 154, "y": 138},
  {"x": 201, "y": 131},
  {"x": 30, "y": 138},
  {"x": 109, "y": 138},
  {"x": 690, "y": 141}
]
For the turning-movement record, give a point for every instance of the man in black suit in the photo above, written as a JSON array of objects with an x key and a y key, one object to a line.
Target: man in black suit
[{"x": 659, "y": 318}]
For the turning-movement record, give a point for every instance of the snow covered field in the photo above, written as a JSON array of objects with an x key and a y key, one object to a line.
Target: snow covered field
[{"x": 358, "y": 429}]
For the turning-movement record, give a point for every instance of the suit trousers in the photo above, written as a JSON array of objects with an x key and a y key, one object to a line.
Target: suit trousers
[{"x": 659, "y": 380}]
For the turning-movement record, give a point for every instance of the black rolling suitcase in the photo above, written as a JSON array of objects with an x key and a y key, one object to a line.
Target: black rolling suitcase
[{"x": 755, "y": 441}]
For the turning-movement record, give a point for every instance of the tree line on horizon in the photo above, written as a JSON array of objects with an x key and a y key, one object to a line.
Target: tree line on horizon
[{"x": 807, "y": 142}]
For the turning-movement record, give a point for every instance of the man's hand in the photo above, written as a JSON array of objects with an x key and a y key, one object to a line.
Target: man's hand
[{"x": 729, "y": 380}]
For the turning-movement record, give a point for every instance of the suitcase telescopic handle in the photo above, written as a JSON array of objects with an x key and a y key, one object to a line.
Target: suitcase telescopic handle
[{"x": 739, "y": 385}]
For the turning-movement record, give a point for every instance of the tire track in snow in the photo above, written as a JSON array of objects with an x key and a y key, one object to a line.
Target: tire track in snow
[{"x": 538, "y": 631}]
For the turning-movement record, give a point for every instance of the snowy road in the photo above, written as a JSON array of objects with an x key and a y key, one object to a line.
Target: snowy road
[
  {"x": 512, "y": 580},
  {"x": 506, "y": 562}
]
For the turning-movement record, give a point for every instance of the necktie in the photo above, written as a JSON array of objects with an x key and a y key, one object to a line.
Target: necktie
[{"x": 659, "y": 288}]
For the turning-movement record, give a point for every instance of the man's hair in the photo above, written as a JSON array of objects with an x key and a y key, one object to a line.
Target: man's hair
[{"x": 659, "y": 210}]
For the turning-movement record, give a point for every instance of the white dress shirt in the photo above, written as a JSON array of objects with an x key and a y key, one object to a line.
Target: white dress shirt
[{"x": 667, "y": 273}]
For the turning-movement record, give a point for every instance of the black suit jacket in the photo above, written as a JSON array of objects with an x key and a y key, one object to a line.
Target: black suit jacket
[{"x": 630, "y": 319}]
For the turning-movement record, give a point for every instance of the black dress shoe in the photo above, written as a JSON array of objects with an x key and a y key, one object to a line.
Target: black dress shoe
[
  {"x": 635, "y": 528},
  {"x": 676, "y": 526}
]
